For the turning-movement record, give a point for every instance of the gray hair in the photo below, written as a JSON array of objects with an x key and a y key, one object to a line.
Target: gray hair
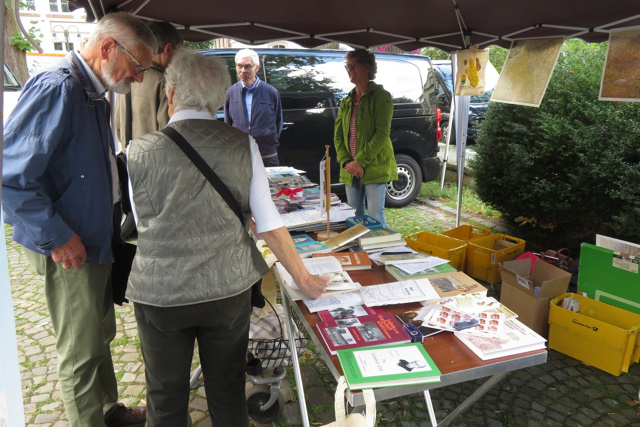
[
  {"x": 366, "y": 58},
  {"x": 125, "y": 28},
  {"x": 165, "y": 33},
  {"x": 247, "y": 53},
  {"x": 199, "y": 81}
]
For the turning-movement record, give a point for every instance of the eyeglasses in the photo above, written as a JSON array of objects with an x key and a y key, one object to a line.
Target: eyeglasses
[
  {"x": 244, "y": 67},
  {"x": 139, "y": 67},
  {"x": 353, "y": 66}
]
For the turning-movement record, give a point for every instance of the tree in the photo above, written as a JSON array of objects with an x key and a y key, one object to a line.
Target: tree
[
  {"x": 13, "y": 56},
  {"x": 567, "y": 170}
]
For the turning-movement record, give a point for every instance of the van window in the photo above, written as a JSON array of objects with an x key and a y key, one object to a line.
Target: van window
[
  {"x": 401, "y": 79},
  {"x": 289, "y": 73}
]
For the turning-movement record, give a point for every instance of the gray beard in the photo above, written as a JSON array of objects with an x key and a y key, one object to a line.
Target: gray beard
[{"x": 122, "y": 87}]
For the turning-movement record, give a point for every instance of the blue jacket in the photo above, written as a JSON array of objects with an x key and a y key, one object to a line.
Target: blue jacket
[
  {"x": 56, "y": 177},
  {"x": 266, "y": 115}
]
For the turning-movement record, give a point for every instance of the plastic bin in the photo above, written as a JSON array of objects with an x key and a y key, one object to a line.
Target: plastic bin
[
  {"x": 440, "y": 246},
  {"x": 485, "y": 253},
  {"x": 599, "y": 335},
  {"x": 467, "y": 232}
]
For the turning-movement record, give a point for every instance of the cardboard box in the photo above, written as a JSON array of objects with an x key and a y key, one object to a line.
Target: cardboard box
[
  {"x": 610, "y": 277},
  {"x": 599, "y": 334},
  {"x": 528, "y": 292}
]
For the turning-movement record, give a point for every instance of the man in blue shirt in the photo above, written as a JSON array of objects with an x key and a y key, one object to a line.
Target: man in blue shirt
[
  {"x": 254, "y": 107},
  {"x": 60, "y": 192}
]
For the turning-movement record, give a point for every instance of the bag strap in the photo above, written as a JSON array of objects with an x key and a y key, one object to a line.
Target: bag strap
[
  {"x": 206, "y": 170},
  {"x": 369, "y": 402}
]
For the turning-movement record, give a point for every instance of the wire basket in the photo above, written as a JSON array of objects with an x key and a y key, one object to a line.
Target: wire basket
[{"x": 275, "y": 352}]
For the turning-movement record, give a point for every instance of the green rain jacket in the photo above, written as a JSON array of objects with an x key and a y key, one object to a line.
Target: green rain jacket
[{"x": 373, "y": 145}]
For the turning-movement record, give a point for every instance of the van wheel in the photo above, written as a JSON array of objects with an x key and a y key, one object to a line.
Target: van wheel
[{"x": 406, "y": 188}]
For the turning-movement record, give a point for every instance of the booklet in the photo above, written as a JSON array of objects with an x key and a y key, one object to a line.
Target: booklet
[
  {"x": 398, "y": 292},
  {"x": 387, "y": 366},
  {"x": 339, "y": 280}
]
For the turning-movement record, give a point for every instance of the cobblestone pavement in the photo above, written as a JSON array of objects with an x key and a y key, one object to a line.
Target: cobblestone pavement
[{"x": 561, "y": 392}]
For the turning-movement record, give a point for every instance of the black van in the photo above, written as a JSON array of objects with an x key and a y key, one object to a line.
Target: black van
[{"x": 312, "y": 83}]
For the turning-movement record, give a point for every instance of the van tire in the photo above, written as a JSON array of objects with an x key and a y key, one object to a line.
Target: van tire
[{"x": 405, "y": 189}]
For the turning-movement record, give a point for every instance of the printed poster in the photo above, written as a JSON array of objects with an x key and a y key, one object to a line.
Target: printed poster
[
  {"x": 527, "y": 71},
  {"x": 470, "y": 71},
  {"x": 621, "y": 76}
]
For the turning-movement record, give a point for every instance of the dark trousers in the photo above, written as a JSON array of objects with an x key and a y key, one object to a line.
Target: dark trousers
[
  {"x": 271, "y": 161},
  {"x": 167, "y": 338}
]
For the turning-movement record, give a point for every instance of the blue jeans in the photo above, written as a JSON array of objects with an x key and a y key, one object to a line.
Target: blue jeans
[{"x": 374, "y": 195}]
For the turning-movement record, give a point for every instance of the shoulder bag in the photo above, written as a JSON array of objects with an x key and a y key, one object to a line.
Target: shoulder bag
[{"x": 257, "y": 299}]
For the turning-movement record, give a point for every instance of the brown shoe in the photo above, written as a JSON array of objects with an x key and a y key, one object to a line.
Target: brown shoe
[{"x": 121, "y": 416}]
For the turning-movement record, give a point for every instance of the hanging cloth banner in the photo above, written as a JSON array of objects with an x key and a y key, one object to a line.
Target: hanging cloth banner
[
  {"x": 620, "y": 80},
  {"x": 471, "y": 66}
]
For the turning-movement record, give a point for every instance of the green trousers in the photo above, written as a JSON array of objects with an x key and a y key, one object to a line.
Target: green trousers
[
  {"x": 167, "y": 337},
  {"x": 81, "y": 308}
]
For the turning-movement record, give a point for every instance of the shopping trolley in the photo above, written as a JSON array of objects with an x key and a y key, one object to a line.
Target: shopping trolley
[{"x": 268, "y": 355}]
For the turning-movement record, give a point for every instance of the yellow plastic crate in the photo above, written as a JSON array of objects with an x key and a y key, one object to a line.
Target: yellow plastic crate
[
  {"x": 467, "y": 232},
  {"x": 485, "y": 253},
  {"x": 599, "y": 335},
  {"x": 440, "y": 246}
]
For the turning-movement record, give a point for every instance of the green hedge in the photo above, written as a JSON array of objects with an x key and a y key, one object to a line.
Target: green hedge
[{"x": 569, "y": 169}]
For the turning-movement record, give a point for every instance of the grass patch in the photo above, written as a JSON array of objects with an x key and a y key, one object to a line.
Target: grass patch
[
  {"x": 449, "y": 197},
  {"x": 410, "y": 220}
]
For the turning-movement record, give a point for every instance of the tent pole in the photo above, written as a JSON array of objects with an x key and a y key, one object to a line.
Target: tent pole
[
  {"x": 462, "y": 122},
  {"x": 447, "y": 142}
]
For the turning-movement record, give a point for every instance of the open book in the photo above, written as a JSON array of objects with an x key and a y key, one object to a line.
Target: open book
[{"x": 339, "y": 280}]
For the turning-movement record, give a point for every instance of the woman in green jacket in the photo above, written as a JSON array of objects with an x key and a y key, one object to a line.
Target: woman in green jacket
[{"x": 361, "y": 137}]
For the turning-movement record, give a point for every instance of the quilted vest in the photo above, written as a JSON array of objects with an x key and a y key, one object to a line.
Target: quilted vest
[{"x": 191, "y": 246}]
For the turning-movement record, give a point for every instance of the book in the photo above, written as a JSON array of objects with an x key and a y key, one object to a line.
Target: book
[
  {"x": 378, "y": 247},
  {"x": 398, "y": 292},
  {"x": 378, "y": 328},
  {"x": 346, "y": 238},
  {"x": 402, "y": 258},
  {"x": 350, "y": 260},
  {"x": 456, "y": 283},
  {"x": 307, "y": 249},
  {"x": 339, "y": 280},
  {"x": 380, "y": 235},
  {"x": 387, "y": 366},
  {"x": 302, "y": 238},
  {"x": 416, "y": 318},
  {"x": 515, "y": 338},
  {"x": 398, "y": 274},
  {"x": 482, "y": 324}
]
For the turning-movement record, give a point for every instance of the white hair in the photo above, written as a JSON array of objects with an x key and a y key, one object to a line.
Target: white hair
[
  {"x": 199, "y": 81},
  {"x": 247, "y": 53},
  {"x": 126, "y": 29}
]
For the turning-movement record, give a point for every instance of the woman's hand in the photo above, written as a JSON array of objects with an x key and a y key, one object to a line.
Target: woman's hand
[
  {"x": 354, "y": 169},
  {"x": 313, "y": 286}
]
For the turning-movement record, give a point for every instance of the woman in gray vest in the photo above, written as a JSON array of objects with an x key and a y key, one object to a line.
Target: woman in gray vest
[{"x": 196, "y": 262}]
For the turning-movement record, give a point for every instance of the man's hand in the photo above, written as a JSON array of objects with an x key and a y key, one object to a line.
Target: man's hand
[
  {"x": 314, "y": 286},
  {"x": 71, "y": 254},
  {"x": 354, "y": 169}
]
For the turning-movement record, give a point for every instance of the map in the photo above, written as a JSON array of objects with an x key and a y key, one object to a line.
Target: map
[
  {"x": 620, "y": 81},
  {"x": 527, "y": 71}
]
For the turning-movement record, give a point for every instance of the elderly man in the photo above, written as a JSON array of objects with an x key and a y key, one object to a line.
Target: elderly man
[
  {"x": 145, "y": 108},
  {"x": 254, "y": 107},
  {"x": 60, "y": 191},
  {"x": 192, "y": 275}
]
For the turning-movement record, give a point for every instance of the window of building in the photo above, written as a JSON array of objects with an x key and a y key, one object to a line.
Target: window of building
[
  {"x": 28, "y": 5},
  {"x": 57, "y": 46},
  {"x": 59, "y": 5}
]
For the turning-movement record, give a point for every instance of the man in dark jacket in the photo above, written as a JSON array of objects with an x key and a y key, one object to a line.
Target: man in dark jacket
[{"x": 254, "y": 107}]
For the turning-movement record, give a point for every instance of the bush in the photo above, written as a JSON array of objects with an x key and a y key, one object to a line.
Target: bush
[{"x": 569, "y": 169}]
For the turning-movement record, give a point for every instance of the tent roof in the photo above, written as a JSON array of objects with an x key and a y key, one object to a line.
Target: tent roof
[{"x": 408, "y": 24}]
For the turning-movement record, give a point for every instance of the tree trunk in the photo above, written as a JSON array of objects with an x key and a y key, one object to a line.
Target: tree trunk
[{"x": 13, "y": 57}]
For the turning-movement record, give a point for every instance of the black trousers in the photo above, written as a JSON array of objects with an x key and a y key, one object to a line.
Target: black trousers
[{"x": 167, "y": 337}]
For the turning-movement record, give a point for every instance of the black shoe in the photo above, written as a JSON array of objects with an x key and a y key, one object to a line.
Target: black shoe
[{"x": 121, "y": 416}]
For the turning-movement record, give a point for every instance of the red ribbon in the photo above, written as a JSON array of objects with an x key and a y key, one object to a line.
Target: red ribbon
[{"x": 288, "y": 192}]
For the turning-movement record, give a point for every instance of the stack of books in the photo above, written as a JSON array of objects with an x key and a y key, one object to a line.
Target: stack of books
[
  {"x": 306, "y": 246},
  {"x": 380, "y": 239},
  {"x": 388, "y": 366},
  {"x": 359, "y": 326}
]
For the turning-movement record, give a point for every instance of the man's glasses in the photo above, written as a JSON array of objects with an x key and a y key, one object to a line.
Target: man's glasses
[
  {"x": 139, "y": 67},
  {"x": 244, "y": 67},
  {"x": 348, "y": 66}
]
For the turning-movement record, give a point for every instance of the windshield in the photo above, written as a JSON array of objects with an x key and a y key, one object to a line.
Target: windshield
[{"x": 10, "y": 81}]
